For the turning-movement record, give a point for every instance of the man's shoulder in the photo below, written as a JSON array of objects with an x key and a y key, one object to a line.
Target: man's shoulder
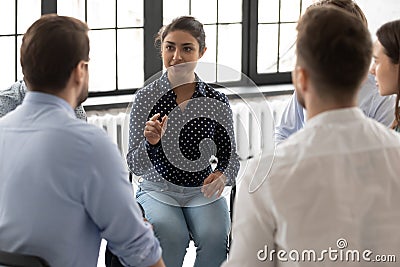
[
  {"x": 79, "y": 137},
  {"x": 89, "y": 132},
  {"x": 318, "y": 141},
  {"x": 295, "y": 142},
  {"x": 382, "y": 135}
]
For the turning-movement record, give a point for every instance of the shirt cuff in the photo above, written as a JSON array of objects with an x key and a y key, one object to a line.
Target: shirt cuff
[
  {"x": 229, "y": 180},
  {"x": 152, "y": 148}
]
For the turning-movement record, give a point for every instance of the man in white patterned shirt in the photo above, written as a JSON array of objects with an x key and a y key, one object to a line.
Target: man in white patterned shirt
[{"x": 11, "y": 98}]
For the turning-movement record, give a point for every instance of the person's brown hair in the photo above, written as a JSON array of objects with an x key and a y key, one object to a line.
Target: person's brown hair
[
  {"x": 184, "y": 23},
  {"x": 389, "y": 36},
  {"x": 348, "y": 5},
  {"x": 335, "y": 48},
  {"x": 51, "y": 48}
]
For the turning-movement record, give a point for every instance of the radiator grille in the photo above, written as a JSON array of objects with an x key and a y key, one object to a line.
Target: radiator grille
[{"x": 253, "y": 126}]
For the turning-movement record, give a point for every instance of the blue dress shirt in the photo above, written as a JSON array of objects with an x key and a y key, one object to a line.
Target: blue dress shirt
[
  {"x": 64, "y": 186},
  {"x": 375, "y": 106},
  {"x": 203, "y": 129}
]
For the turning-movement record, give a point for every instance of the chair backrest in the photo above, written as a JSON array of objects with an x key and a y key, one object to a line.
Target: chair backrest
[{"x": 21, "y": 260}]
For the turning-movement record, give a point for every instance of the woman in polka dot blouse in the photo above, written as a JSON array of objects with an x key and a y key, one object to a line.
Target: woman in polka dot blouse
[{"x": 176, "y": 124}]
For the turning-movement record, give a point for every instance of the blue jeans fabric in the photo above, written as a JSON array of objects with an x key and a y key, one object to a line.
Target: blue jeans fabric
[{"x": 179, "y": 214}]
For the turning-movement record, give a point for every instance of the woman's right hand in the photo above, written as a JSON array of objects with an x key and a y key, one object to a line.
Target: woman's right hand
[{"x": 154, "y": 129}]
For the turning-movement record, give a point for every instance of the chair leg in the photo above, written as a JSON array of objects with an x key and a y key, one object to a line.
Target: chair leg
[{"x": 232, "y": 200}]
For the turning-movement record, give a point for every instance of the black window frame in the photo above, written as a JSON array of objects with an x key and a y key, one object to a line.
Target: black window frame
[
  {"x": 15, "y": 35},
  {"x": 152, "y": 63}
]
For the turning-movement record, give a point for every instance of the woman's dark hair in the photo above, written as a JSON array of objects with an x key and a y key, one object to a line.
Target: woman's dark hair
[
  {"x": 187, "y": 24},
  {"x": 51, "y": 48},
  {"x": 348, "y": 5},
  {"x": 389, "y": 36}
]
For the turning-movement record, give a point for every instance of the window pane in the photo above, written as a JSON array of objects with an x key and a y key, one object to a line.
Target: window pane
[
  {"x": 378, "y": 13},
  {"x": 290, "y": 10},
  {"x": 28, "y": 12},
  {"x": 101, "y": 13},
  {"x": 130, "y": 13},
  {"x": 173, "y": 9},
  {"x": 72, "y": 8},
  {"x": 7, "y": 13},
  {"x": 7, "y": 62},
  {"x": 208, "y": 71},
  {"x": 268, "y": 11},
  {"x": 20, "y": 76},
  {"x": 205, "y": 11},
  {"x": 102, "y": 60},
  {"x": 229, "y": 52},
  {"x": 287, "y": 47},
  {"x": 267, "y": 50},
  {"x": 229, "y": 11},
  {"x": 130, "y": 58},
  {"x": 305, "y": 4}
]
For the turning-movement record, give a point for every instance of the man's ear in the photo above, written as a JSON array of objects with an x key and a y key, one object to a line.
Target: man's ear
[
  {"x": 300, "y": 78},
  {"x": 80, "y": 71}
]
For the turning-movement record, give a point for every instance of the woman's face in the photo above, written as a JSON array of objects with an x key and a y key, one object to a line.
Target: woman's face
[
  {"x": 385, "y": 72},
  {"x": 180, "y": 47}
]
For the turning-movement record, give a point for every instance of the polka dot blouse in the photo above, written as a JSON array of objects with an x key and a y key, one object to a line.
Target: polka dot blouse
[{"x": 204, "y": 128}]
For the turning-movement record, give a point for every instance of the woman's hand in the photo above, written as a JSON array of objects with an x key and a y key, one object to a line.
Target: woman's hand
[
  {"x": 214, "y": 183},
  {"x": 154, "y": 129}
]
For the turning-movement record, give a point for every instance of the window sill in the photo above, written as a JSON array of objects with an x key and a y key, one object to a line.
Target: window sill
[{"x": 122, "y": 101}]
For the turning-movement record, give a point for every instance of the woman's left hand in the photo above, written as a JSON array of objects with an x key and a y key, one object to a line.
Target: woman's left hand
[{"x": 214, "y": 183}]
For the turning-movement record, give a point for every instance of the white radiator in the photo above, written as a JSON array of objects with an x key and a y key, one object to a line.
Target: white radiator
[
  {"x": 253, "y": 125},
  {"x": 253, "y": 128},
  {"x": 116, "y": 126}
]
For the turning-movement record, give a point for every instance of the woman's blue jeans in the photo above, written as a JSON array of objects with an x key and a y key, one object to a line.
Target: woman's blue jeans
[{"x": 179, "y": 214}]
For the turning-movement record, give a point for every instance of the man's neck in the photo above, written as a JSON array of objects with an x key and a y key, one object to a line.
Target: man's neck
[{"x": 319, "y": 106}]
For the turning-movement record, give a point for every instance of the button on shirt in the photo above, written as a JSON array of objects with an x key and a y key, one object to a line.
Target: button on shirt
[
  {"x": 11, "y": 98},
  {"x": 204, "y": 128},
  {"x": 375, "y": 106},
  {"x": 335, "y": 182},
  {"x": 64, "y": 186}
]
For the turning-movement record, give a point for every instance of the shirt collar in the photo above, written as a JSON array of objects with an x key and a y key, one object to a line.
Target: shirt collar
[
  {"x": 48, "y": 99},
  {"x": 200, "y": 85},
  {"x": 336, "y": 116}
]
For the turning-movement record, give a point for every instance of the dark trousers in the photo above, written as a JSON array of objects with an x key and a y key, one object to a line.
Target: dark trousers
[{"x": 112, "y": 260}]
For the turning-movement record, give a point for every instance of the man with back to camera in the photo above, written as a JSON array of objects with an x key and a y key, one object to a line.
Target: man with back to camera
[
  {"x": 334, "y": 186},
  {"x": 369, "y": 100},
  {"x": 63, "y": 183}
]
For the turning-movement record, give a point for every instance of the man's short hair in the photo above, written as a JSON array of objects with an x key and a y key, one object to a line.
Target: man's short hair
[
  {"x": 51, "y": 48},
  {"x": 335, "y": 48}
]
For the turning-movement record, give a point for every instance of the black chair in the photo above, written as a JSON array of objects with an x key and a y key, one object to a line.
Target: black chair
[
  {"x": 21, "y": 260},
  {"x": 232, "y": 201}
]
